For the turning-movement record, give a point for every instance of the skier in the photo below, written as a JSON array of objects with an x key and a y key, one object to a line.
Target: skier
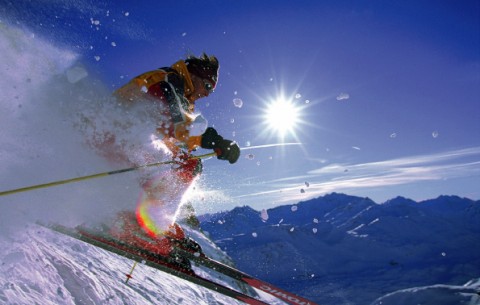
[{"x": 174, "y": 91}]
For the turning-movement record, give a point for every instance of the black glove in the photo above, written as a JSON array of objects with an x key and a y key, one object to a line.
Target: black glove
[
  {"x": 225, "y": 149},
  {"x": 210, "y": 138}
]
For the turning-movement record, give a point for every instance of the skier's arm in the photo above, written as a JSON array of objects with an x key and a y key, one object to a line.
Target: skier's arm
[{"x": 172, "y": 89}]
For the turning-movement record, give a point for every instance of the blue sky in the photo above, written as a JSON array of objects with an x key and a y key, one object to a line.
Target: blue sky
[{"x": 388, "y": 93}]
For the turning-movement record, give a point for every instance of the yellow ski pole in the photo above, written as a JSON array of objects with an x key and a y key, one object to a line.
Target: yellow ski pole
[
  {"x": 104, "y": 174},
  {"x": 129, "y": 275}
]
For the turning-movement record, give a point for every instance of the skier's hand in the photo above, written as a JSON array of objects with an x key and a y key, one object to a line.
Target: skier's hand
[{"x": 225, "y": 149}]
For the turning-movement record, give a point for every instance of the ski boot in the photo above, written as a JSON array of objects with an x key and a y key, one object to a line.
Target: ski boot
[
  {"x": 177, "y": 237},
  {"x": 178, "y": 261},
  {"x": 188, "y": 244}
]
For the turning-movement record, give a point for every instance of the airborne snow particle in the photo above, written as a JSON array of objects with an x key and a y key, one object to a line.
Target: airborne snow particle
[
  {"x": 250, "y": 156},
  {"x": 254, "y": 234},
  {"x": 393, "y": 135},
  {"x": 343, "y": 96},
  {"x": 75, "y": 74},
  {"x": 294, "y": 208},
  {"x": 302, "y": 191},
  {"x": 127, "y": 14},
  {"x": 314, "y": 230},
  {"x": 292, "y": 229},
  {"x": 114, "y": 44},
  {"x": 298, "y": 95},
  {"x": 184, "y": 34},
  {"x": 97, "y": 58},
  {"x": 307, "y": 184},
  {"x": 237, "y": 102},
  {"x": 435, "y": 134},
  {"x": 232, "y": 120}
]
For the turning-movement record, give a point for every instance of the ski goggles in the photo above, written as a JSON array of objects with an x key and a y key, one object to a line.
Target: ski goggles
[{"x": 208, "y": 86}]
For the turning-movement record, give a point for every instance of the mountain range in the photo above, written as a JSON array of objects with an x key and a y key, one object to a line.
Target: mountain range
[{"x": 340, "y": 249}]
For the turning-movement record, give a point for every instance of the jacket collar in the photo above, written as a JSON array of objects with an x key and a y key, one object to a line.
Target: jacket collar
[{"x": 181, "y": 68}]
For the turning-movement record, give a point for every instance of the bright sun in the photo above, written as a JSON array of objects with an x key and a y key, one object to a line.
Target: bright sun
[{"x": 282, "y": 116}]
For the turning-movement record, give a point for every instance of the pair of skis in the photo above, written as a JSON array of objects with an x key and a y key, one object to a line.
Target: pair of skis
[{"x": 168, "y": 265}]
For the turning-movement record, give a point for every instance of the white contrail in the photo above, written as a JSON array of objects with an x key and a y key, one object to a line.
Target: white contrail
[{"x": 270, "y": 145}]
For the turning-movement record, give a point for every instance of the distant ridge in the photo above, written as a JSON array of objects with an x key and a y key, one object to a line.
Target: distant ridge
[{"x": 351, "y": 244}]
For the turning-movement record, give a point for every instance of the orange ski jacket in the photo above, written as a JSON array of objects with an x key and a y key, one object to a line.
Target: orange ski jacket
[{"x": 172, "y": 86}]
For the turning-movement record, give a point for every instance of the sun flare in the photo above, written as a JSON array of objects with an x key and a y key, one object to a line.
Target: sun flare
[{"x": 282, "y": 116}]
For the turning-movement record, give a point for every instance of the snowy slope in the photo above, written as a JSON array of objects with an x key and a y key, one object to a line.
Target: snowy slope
[
  {"x": 42, "y": 267},
  {"x": 39, "y": 266},
  {"x": 341, "y": 249}
]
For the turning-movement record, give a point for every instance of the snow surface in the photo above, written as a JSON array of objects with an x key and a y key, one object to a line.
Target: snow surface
[{"x": 39, "y": 266}]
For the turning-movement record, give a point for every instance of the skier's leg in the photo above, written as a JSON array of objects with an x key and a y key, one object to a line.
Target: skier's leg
[{"x": 162, "y": 198}]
